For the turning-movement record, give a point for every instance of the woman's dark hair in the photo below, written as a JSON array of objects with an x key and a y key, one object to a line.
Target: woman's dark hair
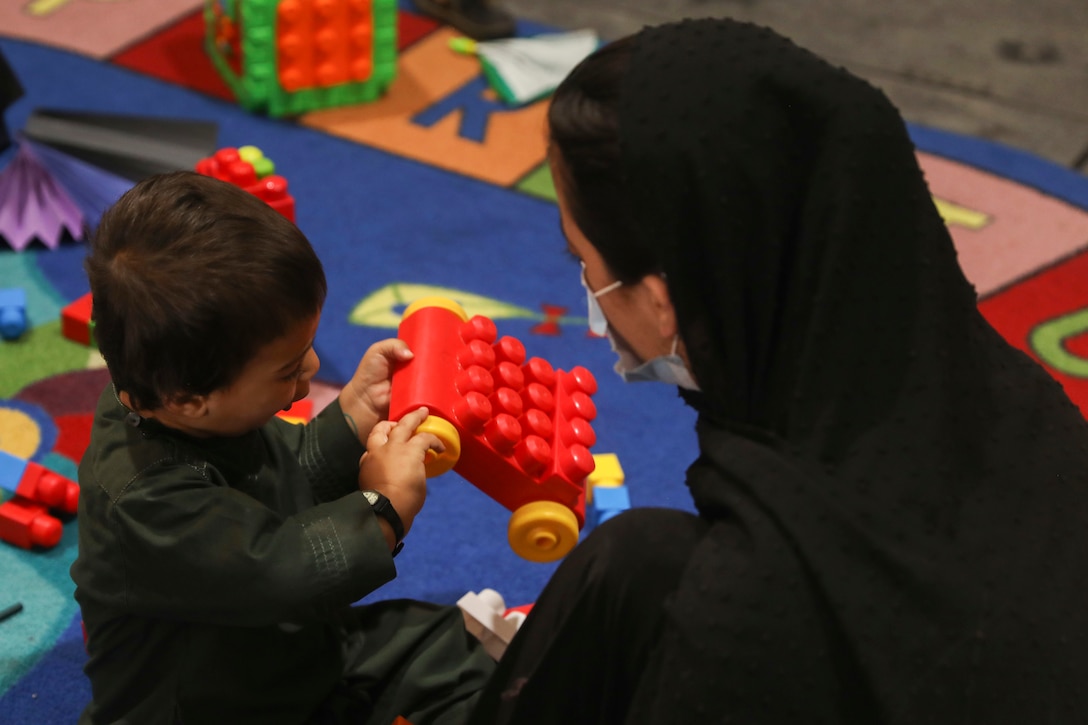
[
  {"x": 584, "y": 129},
  {"x": 190, "y": 277}
]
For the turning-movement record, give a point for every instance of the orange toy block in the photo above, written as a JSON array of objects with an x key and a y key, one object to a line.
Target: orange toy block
[
  {"x": 75, "y": 321},
  {"x": 516, "y": 428}
]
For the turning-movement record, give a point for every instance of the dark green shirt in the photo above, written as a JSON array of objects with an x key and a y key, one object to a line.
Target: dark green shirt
[{"x": 211, "y": 572}]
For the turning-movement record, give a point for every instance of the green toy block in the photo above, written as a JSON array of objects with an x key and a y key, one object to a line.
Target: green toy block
[{"x": 287, "y": 57}]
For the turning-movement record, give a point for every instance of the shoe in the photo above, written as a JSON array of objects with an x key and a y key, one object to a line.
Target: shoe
[{"x": 475, "y": 18}]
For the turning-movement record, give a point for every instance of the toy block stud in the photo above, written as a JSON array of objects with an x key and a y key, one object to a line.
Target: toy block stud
[{"x": 262, "y": 165}]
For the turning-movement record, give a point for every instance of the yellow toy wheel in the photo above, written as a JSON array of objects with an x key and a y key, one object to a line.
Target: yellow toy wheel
[
  {"x": 543, "y": 531},
  {"x": 438, "y": 463},
  {"x": 436, "y": 301}
]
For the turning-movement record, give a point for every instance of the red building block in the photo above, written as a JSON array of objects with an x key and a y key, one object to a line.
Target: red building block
[
  {"x": 27, "y": 524},
  {"x": 516, "y": 428},
  {"x": 75, "y": 321},
  {"x": 47, "y": 488},
  {"x": 25, "y": 519},
  {"x": 250, "y": 169},
  {"x": 42, "y": 486}
]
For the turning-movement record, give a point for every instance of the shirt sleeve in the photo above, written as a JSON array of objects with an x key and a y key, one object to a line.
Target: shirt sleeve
[
  {"x": 195, "y": 550},
  {"x": 327, "y": 449}
]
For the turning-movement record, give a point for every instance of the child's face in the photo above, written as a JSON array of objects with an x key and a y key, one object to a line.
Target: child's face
[{"x": 277, "y": 376}]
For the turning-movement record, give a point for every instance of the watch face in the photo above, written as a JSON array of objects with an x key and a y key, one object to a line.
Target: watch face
[{"x": 371, "y": 496}]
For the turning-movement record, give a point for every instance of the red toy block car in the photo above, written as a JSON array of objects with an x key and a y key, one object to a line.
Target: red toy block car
[{"x": 516, "y": 428}]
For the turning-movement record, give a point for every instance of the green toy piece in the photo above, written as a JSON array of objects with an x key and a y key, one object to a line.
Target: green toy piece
[{"x": 287, "y": 57}]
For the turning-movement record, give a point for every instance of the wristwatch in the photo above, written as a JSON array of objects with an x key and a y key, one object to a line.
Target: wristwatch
[{"x": 384, "y": 508}]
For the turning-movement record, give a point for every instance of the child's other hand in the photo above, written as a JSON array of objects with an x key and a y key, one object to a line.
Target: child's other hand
[
  {"x": 393, "y": 463},
  {"x": 365, "y": 398}
]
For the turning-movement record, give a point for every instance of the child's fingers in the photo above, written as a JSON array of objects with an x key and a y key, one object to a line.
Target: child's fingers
[
  {"x": 428, "y": 442},
  {"x": 379, "y": 434},
  {"x": 407, "y": 425},
  {"x": 392, "y": 348}
]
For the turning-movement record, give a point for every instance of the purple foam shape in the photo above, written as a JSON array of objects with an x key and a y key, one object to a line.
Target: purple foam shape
[
  {"x": 91, "y": 187},
  {"x": 33, "y": 205}
]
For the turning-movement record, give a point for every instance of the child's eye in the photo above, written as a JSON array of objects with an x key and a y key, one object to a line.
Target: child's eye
[{"x": 293, "y": 374}]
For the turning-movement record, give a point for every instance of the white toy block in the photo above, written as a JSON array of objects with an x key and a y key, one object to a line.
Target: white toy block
[{"x": 486, "y": 621}]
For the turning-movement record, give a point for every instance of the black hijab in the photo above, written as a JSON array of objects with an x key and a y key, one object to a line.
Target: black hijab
[{"x": 898, "y": 498}]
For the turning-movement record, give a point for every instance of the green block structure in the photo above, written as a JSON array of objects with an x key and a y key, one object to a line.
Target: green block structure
[{"x": 287, "y": 57}]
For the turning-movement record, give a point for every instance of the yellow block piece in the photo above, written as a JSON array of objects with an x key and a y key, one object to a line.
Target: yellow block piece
[{"x": 607, "y": 472}]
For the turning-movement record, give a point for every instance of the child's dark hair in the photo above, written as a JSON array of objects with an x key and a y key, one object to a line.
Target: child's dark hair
[
  {"x": 583, "y": 127},
  {"x": 190, "y": 277}
]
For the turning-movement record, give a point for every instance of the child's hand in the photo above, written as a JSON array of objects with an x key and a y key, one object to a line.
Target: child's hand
[
  {"x": 365, "y": 398},
  {"x": 393, "y": 463}
]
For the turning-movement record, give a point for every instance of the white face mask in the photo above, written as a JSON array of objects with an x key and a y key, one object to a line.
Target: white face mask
[
  {"x": 663, "y": 369},
  {"x": 598, "y": 325}
]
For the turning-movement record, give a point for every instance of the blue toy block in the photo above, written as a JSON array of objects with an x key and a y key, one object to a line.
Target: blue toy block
[
  {"x": 12, "y": 469},
  {"x": 12, "y": 312},
  {"x": 607, "y": 502}
]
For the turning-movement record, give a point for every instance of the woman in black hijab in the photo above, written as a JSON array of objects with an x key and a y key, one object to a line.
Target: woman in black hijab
[{"x": 893, "y": 502}]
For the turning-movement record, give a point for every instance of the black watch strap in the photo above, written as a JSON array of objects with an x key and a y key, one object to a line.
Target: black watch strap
[{"x": 383, "y": 507}]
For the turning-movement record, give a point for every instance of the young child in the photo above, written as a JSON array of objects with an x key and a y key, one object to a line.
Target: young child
[{"x": 220, "y": 548}]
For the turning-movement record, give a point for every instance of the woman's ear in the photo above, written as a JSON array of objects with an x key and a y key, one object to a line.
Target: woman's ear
[{"x": 664, "y": 312}]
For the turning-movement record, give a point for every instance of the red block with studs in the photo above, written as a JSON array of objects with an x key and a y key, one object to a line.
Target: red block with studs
[
  {"x": 247, "y": 167},
  {"x": 513, "y": 426}
]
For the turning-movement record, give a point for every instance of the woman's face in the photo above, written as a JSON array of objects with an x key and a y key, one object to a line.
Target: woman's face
[{"x": 636, "y": 313}]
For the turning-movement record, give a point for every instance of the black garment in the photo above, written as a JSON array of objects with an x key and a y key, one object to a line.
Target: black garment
[
  {"x": 580, "y": 654},
  {"x": 894, "y": 499}
]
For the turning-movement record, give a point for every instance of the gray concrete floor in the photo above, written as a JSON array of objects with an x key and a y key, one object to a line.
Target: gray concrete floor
[{"x": 1012, "y": 71}]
